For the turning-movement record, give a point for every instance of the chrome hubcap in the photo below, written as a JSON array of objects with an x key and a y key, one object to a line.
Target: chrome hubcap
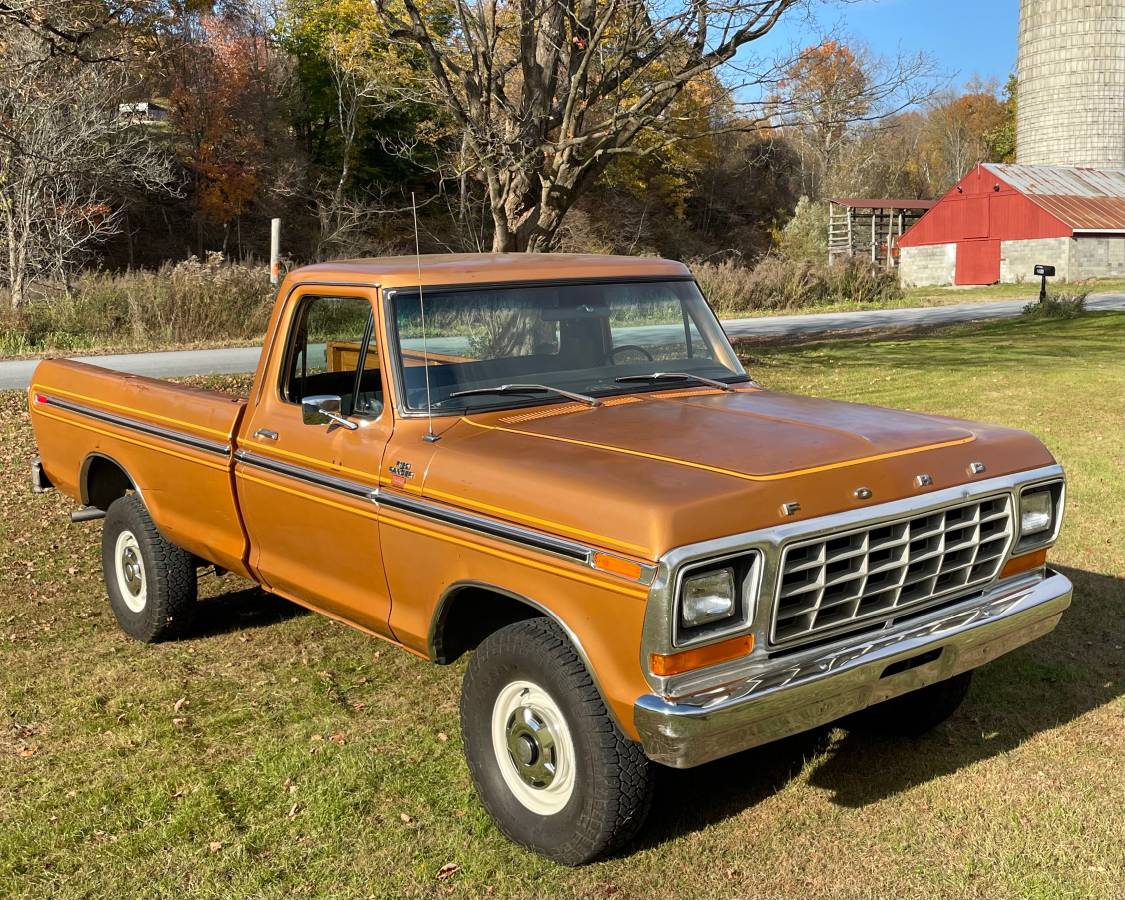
[
  {"x": 131, "y": 568},
  {"x": 531, "y": 745}
]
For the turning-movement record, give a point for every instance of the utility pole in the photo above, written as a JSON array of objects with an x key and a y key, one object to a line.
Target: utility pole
[{"x": 275, "y": 251}]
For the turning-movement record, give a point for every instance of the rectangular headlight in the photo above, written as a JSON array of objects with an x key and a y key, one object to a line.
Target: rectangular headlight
[
  {"x": 1037, "y": 510},
  {"x": 708, "y": 597}
]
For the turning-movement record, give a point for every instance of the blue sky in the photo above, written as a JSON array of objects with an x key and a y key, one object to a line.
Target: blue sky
[{"x": 965, "y": 37}]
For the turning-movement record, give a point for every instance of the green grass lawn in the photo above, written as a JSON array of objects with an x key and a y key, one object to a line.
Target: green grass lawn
[
  {"x": 947, "y": 295},
  {"x": 277, "y": 754}
]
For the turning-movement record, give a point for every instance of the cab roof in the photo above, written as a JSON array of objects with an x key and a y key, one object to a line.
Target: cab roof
[{"x": 484, "y": 268}]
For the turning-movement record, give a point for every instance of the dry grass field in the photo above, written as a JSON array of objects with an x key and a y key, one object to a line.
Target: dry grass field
[{"x": 273, "y": 753}]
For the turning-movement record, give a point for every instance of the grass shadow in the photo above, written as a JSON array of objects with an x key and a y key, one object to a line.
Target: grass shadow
[{"x": 1038, "y": 687}]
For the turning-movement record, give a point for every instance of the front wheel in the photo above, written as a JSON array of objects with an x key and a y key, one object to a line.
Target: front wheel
[{"x": 550, "y": 765}]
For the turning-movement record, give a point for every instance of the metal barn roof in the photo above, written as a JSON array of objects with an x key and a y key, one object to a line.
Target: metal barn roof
[{"x": 1083, "y": 199}]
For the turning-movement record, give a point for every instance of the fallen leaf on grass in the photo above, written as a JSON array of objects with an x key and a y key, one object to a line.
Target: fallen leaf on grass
[
  {"x": 338, "y": 738},
  {"x": 293, "y": 810},
  {"x": 406, "y": 817},
  {"x": 448, "y": 870},
  {"x": 25, "y": 752},
  {"x": 179, "y": 721},
  {"x": 180, "y": 704},
  {"x": 442, "y": 736},
  {"x": 215, "y": 846}
]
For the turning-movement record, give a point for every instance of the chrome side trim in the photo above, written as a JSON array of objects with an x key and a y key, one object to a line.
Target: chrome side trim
[
  {"x": 309, "y": 476},
  {"x": 658, "y": 627},
  {"x": 493, "y": 528},
  {"x": 159, "y": 431},
  {"x": 787, "y": 697},
  {"x": 515, "y": 534}
]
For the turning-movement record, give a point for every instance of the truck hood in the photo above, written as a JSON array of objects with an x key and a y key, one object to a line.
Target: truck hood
[
  {"x": 646, "y": 472},
  {"x": 750, "y": 433}
]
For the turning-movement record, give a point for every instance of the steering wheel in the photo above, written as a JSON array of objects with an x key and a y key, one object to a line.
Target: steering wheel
[{"x": 612, "y": 353}]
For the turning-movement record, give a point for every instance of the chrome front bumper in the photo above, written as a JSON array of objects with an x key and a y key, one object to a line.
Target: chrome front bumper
[{"x": 796, "y": 695}]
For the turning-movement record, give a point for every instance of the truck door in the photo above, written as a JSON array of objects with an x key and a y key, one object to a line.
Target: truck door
[{"x": 304, "y": 489}]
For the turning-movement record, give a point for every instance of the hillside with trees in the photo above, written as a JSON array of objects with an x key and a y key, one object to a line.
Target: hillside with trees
[{"x": 140, "y": 133}]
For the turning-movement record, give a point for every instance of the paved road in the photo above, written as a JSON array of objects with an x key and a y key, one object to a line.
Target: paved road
[{"x": 167, "y": 364}]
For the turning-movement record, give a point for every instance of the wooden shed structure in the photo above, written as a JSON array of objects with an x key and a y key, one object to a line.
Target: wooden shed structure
[{"x": 870, "y": 227}]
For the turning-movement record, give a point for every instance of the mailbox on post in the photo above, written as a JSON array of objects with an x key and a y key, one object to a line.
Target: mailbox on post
[{"x": 1043, "y": 271}]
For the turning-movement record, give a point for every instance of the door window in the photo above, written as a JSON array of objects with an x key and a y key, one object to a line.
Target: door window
[{"x": 332, "y": 351}]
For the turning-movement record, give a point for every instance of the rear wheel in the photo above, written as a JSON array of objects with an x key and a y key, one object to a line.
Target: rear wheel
[
  {"x": 151, "y": 583},
  {"x": 550, "y": 765},
  {"x": 913, "y": 714}
]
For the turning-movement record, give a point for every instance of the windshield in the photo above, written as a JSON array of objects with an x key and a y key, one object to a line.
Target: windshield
[{"x": 575, "y": 337}]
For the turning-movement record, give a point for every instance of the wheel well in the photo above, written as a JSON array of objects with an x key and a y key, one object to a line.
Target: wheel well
[
  {"x": 103, "y": 481},
  {"x": 471, "y": 613}
]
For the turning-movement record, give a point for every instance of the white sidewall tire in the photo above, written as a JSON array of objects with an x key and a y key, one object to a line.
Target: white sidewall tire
[
  {"x": 151, "y": 583},
  {"x": 598, "y": 795}
]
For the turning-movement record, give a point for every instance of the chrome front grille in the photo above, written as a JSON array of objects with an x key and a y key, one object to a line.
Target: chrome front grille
[{"x": 834, "y": 582}]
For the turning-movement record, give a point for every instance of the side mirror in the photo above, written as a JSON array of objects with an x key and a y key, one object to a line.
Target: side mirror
[{"x": 324, "y": 409}]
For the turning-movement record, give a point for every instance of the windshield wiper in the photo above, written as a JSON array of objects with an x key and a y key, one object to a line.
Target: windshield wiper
[
  {"x": 528, "y": 389},
  {"x": 676, "y": 376}
]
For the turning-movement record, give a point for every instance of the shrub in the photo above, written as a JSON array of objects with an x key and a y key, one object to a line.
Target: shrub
[
  {"x": 1057, "y": 306},
  {"x": 778, "y": 283},
  {"x": 180, "y": 303},
  {"x": 805, "y": 236}
]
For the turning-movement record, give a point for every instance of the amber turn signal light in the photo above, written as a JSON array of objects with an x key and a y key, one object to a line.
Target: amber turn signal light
[
  {"x": 697, "y": 658},
  {"x": 1024, "y": 563},
  {"x": 618, "y": 566}
]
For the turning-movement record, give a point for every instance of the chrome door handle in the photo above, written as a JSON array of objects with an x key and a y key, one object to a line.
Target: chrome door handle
[{"x": 266, "y": 433}]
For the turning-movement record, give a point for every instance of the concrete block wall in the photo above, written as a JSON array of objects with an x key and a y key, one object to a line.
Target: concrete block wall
[
  {"x": 1097, "y": 257},
  {"x": 929, "y": 264},
  {"x": 1071, "y": 73},
  {"x": 1018, "y": 259}
]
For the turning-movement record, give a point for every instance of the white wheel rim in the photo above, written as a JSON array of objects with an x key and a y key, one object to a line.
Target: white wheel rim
[
  {"x": 533, "y": 747},
  {"x": 130, "y": 569}
]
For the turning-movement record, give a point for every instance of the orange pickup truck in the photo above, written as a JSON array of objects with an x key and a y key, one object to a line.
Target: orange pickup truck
[{"x": 558, "y": 463}]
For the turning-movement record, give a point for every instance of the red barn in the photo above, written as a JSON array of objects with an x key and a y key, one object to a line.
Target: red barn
[{"x": 999, "y": 221}]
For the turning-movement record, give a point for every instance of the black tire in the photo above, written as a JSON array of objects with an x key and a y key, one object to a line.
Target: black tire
[
  {"x": 913, "y": 714},
  {"x": 164, "y": 599},
  {"x": 612, "y": 778}
]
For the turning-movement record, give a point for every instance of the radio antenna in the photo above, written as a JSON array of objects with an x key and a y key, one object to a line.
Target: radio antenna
[{"x": 430, "y": 436}]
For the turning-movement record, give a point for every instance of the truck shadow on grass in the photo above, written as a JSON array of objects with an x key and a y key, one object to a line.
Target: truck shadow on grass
[
  {"x": 1034, "y": 689},
  {"x": 241, "y": 609}
]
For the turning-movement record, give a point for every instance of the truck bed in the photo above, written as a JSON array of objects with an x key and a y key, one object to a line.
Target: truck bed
[{"x": 175, "y": 443}]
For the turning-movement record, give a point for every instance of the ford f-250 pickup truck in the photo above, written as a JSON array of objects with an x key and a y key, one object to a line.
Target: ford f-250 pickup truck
[{"x": 559, "y": 463}]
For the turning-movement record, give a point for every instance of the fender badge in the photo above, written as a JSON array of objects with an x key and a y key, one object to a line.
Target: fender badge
[
  {"x": 862, "y": 493},
  {"x": 400, "y": 471},
  {"x": 790, "y": 508},
  {"x": 975, "y": 468},
  {"x": 923, "y": 480}
]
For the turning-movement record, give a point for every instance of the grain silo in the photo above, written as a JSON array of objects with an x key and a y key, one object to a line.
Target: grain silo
[{"x": 1071, "y": 83}]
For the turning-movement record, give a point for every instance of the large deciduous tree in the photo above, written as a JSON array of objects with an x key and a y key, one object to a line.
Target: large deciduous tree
[
  {"x": 547, "y": 93},
  {"x": 837, "y": 101}
]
